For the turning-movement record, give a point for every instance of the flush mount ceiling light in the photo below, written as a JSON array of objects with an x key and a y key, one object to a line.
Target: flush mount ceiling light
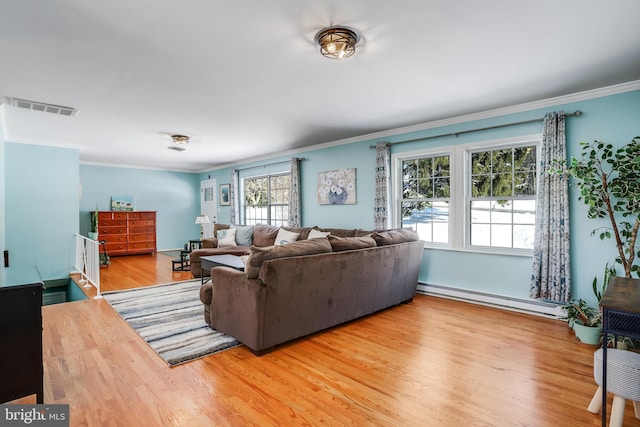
[
  {"x": 337, "y": 42},
  {"x": 176, "y": 148},
  {"x": 180, "y": 139}
]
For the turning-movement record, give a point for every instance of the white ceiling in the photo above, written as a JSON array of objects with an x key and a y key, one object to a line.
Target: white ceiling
[{"x": 245, "y": 78}]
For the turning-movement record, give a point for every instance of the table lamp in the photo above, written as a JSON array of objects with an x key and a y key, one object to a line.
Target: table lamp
[{"x": 202, "y": 219}]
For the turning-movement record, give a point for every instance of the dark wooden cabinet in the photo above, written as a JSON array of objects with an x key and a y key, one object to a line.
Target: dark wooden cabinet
[
  {"x": 21, "y": 367},
  {"x": 127, "y": 233}
]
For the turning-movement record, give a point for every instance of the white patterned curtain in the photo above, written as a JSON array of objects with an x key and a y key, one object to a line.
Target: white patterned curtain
[
  {"x": 294, "y": 199},
  {"x": 235, "y": 196},
  {"x": 550, "y": 277},
  {"x": 382, "y": 207}
]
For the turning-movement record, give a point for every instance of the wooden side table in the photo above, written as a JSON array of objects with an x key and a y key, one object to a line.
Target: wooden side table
[
  {"x": 194, "y": 244},
  {"x": 620, "y": 316},
  {"x": 182, "y": 263}
]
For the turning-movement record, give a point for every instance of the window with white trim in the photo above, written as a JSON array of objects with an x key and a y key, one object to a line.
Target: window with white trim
[
  {"x": 266, "y": 199},
  {"x": 502, "y": 196},
  {"x": 479, "y": 196},
  {"x": 425, "y": 197}
]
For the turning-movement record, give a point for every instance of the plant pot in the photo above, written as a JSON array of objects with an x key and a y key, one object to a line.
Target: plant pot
[
  {"x": 92, "y": 235},
  {"x": 587, "y": 334}
]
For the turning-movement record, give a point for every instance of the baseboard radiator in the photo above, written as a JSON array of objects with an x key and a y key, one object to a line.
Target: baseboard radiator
[{"x": 538, "y": 308}]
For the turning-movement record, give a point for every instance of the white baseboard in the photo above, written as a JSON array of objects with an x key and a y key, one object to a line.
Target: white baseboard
[{"x": 538, "y": 308}]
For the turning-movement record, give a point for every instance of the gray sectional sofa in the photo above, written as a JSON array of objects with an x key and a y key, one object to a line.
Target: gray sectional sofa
[{"x": 290, "y": 291}]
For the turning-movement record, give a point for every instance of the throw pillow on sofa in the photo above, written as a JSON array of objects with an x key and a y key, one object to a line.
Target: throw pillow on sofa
[
  {"x": 227, "y": 237},
  {"x": 264, "y": 235},
  {"x": 244, "y": 234},
  {"x": 317, "y": 234},
  {"x": 393, "y": 237},
  {"x": 302, "y": 231},
  {"x": 339, "y": 244},
  {"x": 285, "y": 236},
  {"x": 303, "y": 247}
]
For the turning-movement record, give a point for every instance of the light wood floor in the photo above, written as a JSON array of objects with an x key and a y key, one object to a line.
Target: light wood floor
[{"x": 432, "y": 362}]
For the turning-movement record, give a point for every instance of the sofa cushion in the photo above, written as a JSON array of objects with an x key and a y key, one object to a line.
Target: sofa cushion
[
  {"x": 393, "y": 237},
  {"x": 244, "y": 235},
  {"x": 264, "y": 235},
  {"x": 285, "y": 236},
  {"x": 340, "y": 232},
  {"x": 302, "y": 247},
  {"x": 339, "y": 244},
  {"x": 227, "y": 237}
]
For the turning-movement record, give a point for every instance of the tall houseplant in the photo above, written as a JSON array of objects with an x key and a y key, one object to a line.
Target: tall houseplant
[{"x": 609, "y": 183}]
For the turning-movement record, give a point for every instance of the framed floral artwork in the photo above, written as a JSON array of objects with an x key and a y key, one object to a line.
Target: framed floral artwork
[{"x": 337, "y": 187}]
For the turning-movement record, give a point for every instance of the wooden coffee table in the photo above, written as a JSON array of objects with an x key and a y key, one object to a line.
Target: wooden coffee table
[{"x": 208, "y": 262}]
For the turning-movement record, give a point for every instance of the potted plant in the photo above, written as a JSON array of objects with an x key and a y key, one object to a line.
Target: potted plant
[
  {"x": 586, "y": 321},
  {"x": 93, "y": 234}
]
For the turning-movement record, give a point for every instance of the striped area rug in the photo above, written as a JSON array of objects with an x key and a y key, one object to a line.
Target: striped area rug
[{"x": 169, "y": 318}]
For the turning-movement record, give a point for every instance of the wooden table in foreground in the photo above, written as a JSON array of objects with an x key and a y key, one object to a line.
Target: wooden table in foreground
[{"x": 620, "y": 316}]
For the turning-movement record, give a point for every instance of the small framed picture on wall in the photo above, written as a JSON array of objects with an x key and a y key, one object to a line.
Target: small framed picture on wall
[{"x": 224, "y": 195}]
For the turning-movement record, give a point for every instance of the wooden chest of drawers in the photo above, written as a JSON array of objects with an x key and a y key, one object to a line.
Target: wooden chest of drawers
[{"x": 127, "y": 233}]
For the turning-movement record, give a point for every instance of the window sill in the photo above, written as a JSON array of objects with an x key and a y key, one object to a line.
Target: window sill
[{"x": 492, "y": 251}]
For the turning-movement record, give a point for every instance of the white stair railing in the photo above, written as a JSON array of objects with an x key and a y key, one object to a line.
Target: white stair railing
[{"x": 88, "y": 262}]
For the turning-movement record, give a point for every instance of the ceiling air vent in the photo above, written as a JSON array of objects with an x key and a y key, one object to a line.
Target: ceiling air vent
[{"x": 41, "y": 106}]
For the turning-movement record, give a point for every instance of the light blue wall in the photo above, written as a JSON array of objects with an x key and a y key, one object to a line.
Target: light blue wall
[
  {"x": 356, "y": 155},
  {"x": 42, "y": 182},
  {"x": 41, "y": 207},
  {"x": 175, "y": 196},
  {"x": 612, "y": 118}
]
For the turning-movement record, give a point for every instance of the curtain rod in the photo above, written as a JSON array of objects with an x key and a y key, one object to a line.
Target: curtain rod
[
  {"x": 576, "y": 113},
  {"x": 269, "y": 164}
]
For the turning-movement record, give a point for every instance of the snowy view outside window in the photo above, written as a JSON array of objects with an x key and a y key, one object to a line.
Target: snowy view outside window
[
  {"x": 426, "y": 188},
  {"x": 478, "y": 196},
  {"x": 502, "y": 203}
]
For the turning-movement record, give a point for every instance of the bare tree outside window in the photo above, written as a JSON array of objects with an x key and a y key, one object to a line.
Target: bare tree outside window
[{"x": 266, "y": 199}]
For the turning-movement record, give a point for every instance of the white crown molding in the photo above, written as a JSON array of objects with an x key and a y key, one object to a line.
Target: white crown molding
[
  {"x": 520, "y": 108},
  {"x": 134, "y": 166},
  {"x": 269, "y": 157},
  {"x": 550, "y": 102}
]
